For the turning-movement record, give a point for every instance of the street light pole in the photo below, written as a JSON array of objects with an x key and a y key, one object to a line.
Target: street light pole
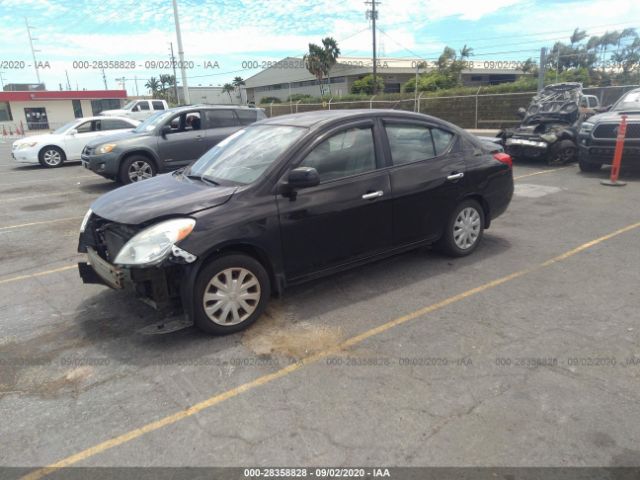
[
  {"x": 185, "y": 87},
  {"x": 33, "y": 52}
]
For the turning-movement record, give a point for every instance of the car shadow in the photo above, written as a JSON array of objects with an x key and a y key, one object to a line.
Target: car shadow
[
  {"x": 99, "y": 188},
  {"x": 28, "y": 167},
  {"x": 110, "y": 320}
]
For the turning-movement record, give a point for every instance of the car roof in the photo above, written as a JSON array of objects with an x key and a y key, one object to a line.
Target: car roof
[
  {"x": 207, "y": 106},
  {"x": 104, "y": 117},
  {"x": 319, "y": 118}
]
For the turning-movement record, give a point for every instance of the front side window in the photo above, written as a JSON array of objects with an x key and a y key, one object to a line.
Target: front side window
[
  {"x": 346, "y": 153},
  {"x": 247, "y": 117},
  {"x": 243, "y": 157},
  {"x": 84, "y": 127}
]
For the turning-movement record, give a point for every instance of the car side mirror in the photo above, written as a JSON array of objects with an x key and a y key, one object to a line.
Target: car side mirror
[
  {"x": 521, "y": 112},
  {"x": 73, "y": 131},
  {"x": 303, "y": 177},
  {"x": 164, "y": 130}
]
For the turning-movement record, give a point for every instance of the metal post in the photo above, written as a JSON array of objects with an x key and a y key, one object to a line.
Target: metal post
[
  {"x": 371, "y": 102},
  {"x": 104, "y": 79},
  {"x": 542, "y": 68},
  {"x": 415, "y": 89},
  {"x": 271, "y": 109},
  {"x": 290, "y": 100},
  {"x": 419, "y": 98},
  {"x": 185, "y": 87},
  {"x": 297, "y": 103},
  {"x": 477, "y": 107},
  {"x": 330, "y": 100},
  {"x": 175, "y": 77},
  {"x": 33, "y": 52}
]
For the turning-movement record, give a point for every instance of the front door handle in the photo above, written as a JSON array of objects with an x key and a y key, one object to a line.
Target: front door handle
[
  {"x": 455, "y": 176},
  {"x": 372, "y": 195}
]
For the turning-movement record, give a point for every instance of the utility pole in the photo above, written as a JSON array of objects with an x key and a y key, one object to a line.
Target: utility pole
[
  {"x": 33, "y": 52},
  {"x": 185, "y": 87},
  {"x": 373, "y": 15},
  {"x": 175, "y": 77},
  {"x": 1, "y": 81},
  {"x": 104, "y": 79},
  {"x": 542, "y": 69},
  {"x": 68, "y": 82},
  {"x": 135, "y": 79}
]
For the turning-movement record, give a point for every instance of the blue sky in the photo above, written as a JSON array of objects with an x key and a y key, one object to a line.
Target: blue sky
[{"x": 234, "y": 32}]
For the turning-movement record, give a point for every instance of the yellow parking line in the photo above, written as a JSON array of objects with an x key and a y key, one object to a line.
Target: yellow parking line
[
  {"x": 234, "y": 392},
  {"x": 22, "y": 225},
  {"x": 37, "y": 274},
  {"x": 541, "y": 172}
]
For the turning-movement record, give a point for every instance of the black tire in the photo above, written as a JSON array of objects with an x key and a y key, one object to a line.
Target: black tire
[
  {"x": 447, "y": 243},
  {"x": 589, "y": 167},
  {"x": 562, "y": 153},
  {"x": 218, "y": 269},
  {"x": 51, "y": 157},
  {"x": 145, "y": 167}
]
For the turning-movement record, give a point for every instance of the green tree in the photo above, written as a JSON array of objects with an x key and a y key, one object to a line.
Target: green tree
[
  {"x": 365, "y": 85},
  {"x": 228, "y": 88},
  {"x": 154, "y": 86},
  {"x": 237, "y": 83},
  {"x": 320, "y": 59}
]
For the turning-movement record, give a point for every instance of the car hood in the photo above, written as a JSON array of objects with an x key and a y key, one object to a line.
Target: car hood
[
  {"x": 613, "y": 117},
  {"x": 162, "y": 196},
  {"x": 124, "y": 135}
]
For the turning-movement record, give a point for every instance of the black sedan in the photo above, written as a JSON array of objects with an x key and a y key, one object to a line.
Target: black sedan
[{"x": 289, "y": 199}]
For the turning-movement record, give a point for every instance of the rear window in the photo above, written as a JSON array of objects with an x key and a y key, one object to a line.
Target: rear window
[
  {"x": 441, "y": 140},
  {"x": 157, "y": 105},
  {"x": 409, "y": 143},
  {"x": 220, "y": 118},
  {"x": 247, "y": 116}
]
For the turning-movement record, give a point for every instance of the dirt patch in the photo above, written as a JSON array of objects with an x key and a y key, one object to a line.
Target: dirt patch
[
  {"x": 42, "y": 206},
  {"x": 278, "y": 333}
]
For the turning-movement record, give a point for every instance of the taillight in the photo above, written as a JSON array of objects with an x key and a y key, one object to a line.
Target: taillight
[{"x": 504, "y": 158}]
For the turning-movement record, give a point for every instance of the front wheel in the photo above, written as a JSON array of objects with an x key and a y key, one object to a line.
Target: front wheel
[
  {"x": 589, "y": 167},
  {"x": 231, "y": 293},
  {"x": 563, "y": 152},
  {"x": 464, "y": 230},
  {"x": 51, "y": 157},
  {"x": 136, "y": 168}
]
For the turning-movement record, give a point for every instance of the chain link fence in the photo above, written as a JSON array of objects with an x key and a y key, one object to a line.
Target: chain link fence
[{"x": 479, "y": 111}]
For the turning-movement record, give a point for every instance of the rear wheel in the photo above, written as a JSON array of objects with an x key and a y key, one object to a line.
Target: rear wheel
[
  {"x": 136, "y": 168},
  {"x": 464, "y": 230},
  {"x": 51, "y": 157},
  {"x": 589, "y": 167},
  {"x": 231, "y": 293}
]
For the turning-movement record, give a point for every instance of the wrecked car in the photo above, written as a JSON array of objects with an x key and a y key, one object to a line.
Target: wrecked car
[{"x": 549, "y": 127}]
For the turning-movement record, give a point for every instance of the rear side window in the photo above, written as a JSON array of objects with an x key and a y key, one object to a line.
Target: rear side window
[
  {"x": 441, "y": 140},
  {"x": 113, "y": 124},
  {"x": 409, "y": 143},
  {"x": 157, "y": 105},
  {"x": 247, "y": 116},
  {"x": 220, "y": 118},
  {"x": 143, "y": 106}
]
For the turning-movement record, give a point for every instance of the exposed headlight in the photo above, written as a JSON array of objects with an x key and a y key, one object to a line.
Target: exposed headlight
[
  {"x": 153, "y": 244},
  {"x": 586, "y": 127},
  {"x": 106, "y": 148},
  {"x": 85, "y": 220},
  {"x": 26, "y": 145},
  {"x": 549, "y": 137}
]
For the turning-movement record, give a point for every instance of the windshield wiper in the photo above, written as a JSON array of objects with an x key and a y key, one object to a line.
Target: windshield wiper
[{"x": 202, "y": 178}]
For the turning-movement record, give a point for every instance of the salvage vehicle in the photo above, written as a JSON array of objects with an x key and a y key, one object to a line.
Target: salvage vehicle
[
  {"x": 138, "y": 109},
  {"x": 66, "y": 143},
  {"x": 165, "y": 141},
  {"x": 549, "y": 127},
  {"x": 290, "y": 199},
  {"x": 597, "y": 136}
]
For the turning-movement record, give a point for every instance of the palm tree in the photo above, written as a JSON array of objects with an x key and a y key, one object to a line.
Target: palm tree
[
  {"x": 330, "y": 57},
  {"x": 153, "y": 85},
  {"x": 577, "y": 36},
  {"x": 313, "y": 61},
  {"x": 228, "y": 88},
  {"x": 237, "y": 83},
  {"x": 166, "y": 82}
]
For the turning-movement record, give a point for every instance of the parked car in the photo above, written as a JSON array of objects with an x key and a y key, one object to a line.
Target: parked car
[
  {"x": 290, "y": 199},
  {"x": 597, "y": 136},
  {"x": 550, "y": 124},
  {"x": 138, "y": 109},
  {"x": 66, "y": 143},
  {"x": 166, "y": 141}
]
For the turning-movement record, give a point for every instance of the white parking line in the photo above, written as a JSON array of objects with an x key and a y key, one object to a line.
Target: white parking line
[{"x": 22, "y": 225}]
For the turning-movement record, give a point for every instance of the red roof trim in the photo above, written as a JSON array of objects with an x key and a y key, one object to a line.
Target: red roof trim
[{"x": 36, "y": 95}]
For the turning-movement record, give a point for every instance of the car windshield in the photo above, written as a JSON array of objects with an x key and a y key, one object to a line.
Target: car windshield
[
  {"x": 129, "y": 105},
  {"x": 65, "y": 127},
  {"x": 245, "y": 155},
  {"x": 630, "y": 102},
  {"x": 153, "y": 121}
]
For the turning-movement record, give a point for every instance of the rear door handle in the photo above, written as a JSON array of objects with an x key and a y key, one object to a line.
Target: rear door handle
[
  {"x": 455, "y": 176},
  {"x": 372, "y": 195}
]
